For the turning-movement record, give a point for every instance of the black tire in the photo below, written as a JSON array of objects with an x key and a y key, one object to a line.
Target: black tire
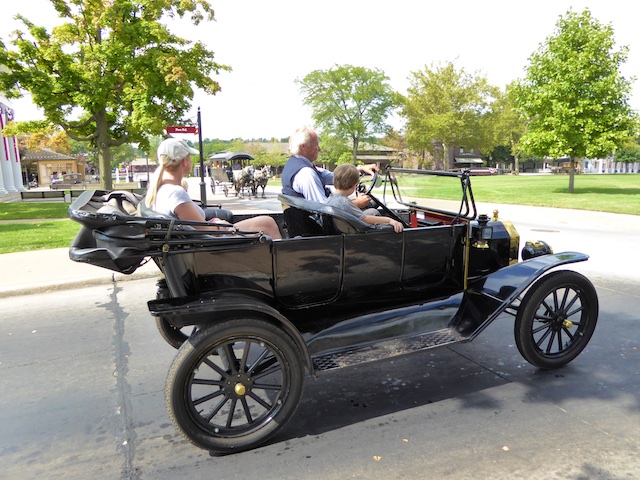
[
  {"x": 556, "y": 319},
  {"x": 233, "y": 385},
  {"x": 172, "y": 335}
]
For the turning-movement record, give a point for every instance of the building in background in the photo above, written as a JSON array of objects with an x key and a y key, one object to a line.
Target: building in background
[{"x": 52, "y": 165}]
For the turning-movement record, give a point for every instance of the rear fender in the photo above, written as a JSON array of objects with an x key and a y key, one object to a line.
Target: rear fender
[
  {"x": 487, "y": 297},
  {"x": 203, "y": 310}
]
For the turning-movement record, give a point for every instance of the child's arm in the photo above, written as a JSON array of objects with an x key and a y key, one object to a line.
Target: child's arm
[{"x": 375, "y": 220}]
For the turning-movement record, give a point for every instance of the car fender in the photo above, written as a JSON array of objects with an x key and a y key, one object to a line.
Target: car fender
[
  {"x": 487, "y": 297},
  {"x": 200, "y": 311}
]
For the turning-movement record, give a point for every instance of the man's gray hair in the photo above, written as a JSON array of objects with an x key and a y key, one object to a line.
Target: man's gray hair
[{"x": 302, "y": 136}]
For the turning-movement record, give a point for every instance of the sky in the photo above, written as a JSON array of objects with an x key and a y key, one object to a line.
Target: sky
[{"x": 270, "y": 44}]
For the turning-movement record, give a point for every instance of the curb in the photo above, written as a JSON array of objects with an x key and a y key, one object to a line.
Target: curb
[{"x": 74, "y": 284}]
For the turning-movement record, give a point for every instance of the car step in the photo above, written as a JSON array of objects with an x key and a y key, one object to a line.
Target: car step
[{"x": 386, "y": 349}]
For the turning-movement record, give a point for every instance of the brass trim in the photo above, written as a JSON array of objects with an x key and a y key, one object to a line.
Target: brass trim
[{"x": 514, "y": 241}]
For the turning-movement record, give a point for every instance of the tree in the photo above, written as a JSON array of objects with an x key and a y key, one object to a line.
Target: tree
[
  {"x": 263, "y": 155},
  {"x": 349, "y": 102},
  {"x": 449, "y": 107},
  {"x": 334, "y": 151},
  {"x": 406, "y": 158},
  {"x": 237, "y": 145},
  {"x": 117, "y": 64},
  {"x": 508, "y": 124},
  {"x": 50, "y": 138},
  {"x": 124, "y": 153},
  {"x": 211, "y": 147},
  {"x": 573, "y": 95},
  {"x": 257, "y": 151}
]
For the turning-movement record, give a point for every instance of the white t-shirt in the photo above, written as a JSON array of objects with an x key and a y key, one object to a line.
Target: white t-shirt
[
  {"x": 168, "y": 197},
  {"x": 343, "y": 203}
]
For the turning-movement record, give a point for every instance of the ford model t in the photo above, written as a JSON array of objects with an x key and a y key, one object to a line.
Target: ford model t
[{"x": 252, "y": 317}]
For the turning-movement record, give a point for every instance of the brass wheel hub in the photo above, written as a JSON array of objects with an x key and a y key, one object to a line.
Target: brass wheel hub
[{"x": 238, "y": 384}]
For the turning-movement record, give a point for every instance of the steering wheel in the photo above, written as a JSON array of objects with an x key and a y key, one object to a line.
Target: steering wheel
[{"x": 366, "y": 186}]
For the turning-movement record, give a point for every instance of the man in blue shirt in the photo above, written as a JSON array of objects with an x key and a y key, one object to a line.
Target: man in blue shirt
[{"x": 301, "y": 178}]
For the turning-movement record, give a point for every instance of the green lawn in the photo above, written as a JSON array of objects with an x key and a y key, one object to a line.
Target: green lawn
[
  {"x": 33, "y": 210},
  {"x": 47, "y": 230},
  {"x": 605, "y": 193},
  {"x": 37, "y": 235}
]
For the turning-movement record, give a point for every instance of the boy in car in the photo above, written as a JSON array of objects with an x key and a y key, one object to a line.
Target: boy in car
[{"x": 345, "y": 180}]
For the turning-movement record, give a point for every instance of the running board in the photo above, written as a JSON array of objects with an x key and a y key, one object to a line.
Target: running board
[{"x": 386, "y": 349}]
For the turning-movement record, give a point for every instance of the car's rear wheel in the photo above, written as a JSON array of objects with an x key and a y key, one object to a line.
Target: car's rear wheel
[
  {"x": 556, "y": 319},
  {"x": 172, "y": 335},
  {"x": 233, "y": 385}
]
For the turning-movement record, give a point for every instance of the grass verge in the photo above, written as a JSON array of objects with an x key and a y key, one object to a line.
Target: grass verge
[{"x": 26, "y": 236}]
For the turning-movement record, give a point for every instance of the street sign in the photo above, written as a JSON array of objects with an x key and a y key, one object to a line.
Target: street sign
[{"x": 182, "y": 129}]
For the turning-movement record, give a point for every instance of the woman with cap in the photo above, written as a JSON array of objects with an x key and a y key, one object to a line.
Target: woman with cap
[{"x": 166, "y": 194}]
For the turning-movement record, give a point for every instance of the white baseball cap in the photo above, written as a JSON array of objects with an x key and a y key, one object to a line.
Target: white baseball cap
[{"x": 175, "y": 149}]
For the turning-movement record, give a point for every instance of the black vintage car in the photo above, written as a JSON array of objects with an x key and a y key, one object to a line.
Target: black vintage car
[{"x": 252, "y": 316}]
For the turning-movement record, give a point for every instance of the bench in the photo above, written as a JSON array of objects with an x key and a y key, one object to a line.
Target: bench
[
  {"x": 36, "y": 195},
  {"x": 42, "y": 195},
  {"x": 140, "y": 191}
]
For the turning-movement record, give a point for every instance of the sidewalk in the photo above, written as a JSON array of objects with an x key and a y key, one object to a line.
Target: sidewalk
[
  {"x": 40, "y": 271},
  {"x": 609, "y": 239}
]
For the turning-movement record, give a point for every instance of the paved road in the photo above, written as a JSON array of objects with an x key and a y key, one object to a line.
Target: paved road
[{"x": 83, "y": 376}]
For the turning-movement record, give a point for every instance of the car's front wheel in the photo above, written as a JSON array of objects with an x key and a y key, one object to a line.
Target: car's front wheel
[
  {"x": 556, "y": 319},
  {"x": 233, "y": 385}
]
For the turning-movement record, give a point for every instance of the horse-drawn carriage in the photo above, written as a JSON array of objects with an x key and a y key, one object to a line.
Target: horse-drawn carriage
[
  {"x": 334, "y": 292},
  {"x": 249, "y": 179},
  {"x": 245, "y": 180},
  {"x": 220, "y": 179}
]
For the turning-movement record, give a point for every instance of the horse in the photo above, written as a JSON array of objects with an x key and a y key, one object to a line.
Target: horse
[
  {"x": 244, "y": 179},
  {"x": 260, "y": 178}
]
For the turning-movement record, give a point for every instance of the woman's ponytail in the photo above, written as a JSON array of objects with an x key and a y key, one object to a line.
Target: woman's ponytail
[{"x": 154, "y": 184}]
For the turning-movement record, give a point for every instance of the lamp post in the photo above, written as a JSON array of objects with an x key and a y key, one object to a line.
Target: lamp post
[{"x": 203, "y": 190}]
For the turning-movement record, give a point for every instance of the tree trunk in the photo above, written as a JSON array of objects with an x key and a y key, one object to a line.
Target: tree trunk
[
  {"x": 516, "y": 158},
  {"x": 572, "y": 168},
  {"x": 104, "y": 151},
  {"x": 104, "y": 161},
  {"x": 354, "y": 153}
]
